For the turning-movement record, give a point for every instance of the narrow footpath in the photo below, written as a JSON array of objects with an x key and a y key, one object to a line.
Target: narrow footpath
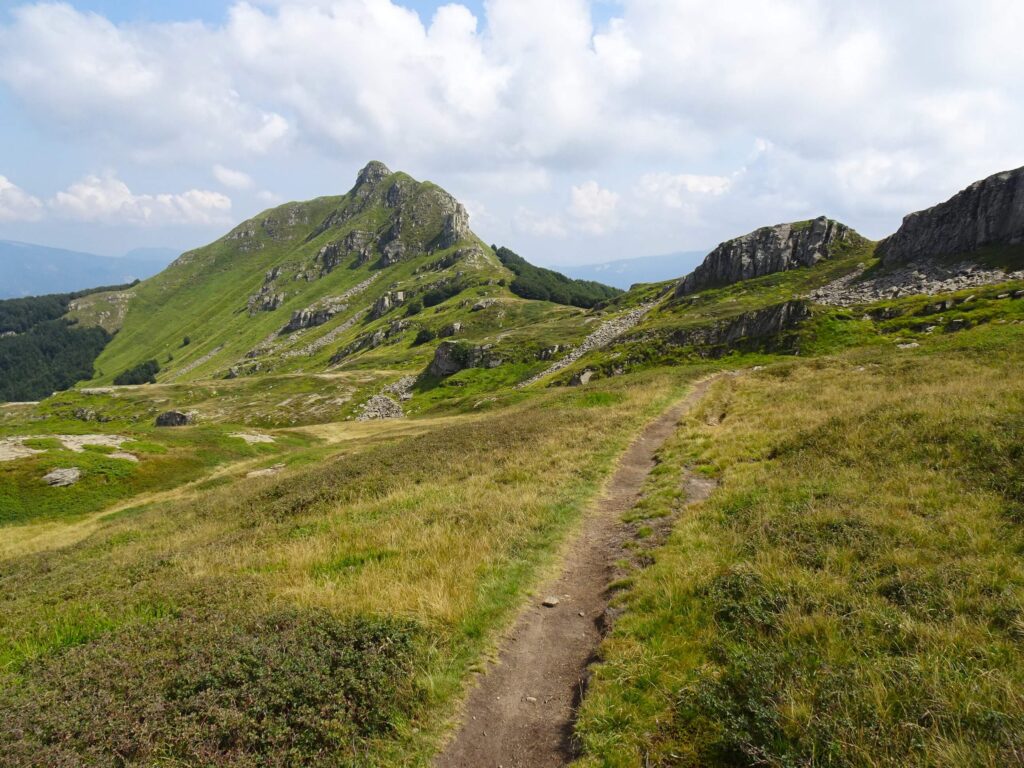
[{"x": 521, "y": 713}]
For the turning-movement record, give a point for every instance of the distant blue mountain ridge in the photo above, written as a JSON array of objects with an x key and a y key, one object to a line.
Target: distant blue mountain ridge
[
  {"x": 623, "y": 273},
  {"x": 34, "y": 270}
]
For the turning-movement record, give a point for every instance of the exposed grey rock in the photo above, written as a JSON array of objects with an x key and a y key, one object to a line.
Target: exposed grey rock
[
  {"x": 483, "y": 304},
  {"x": 61, "y": 478},
  {"x": 372, "y": 174},
  {"x": 550, "y": 602},
  {"x": 402, "y": 389},
  {"x": 759, "y": 324},
  {"x": 917, "y": 278},
  {"x": 450, "y": 330},
  {"x": 989, "y": 212},
  {"x": 581, "y": 378},
  {"x": 453, "y": 356},
  {"x": 386, "y": 303},
  {"x": 380, "y": 407},
  {"x": 174, "y": 419},
  {"x": 456, "y": 227},
  {"x": 765, "y": 251},
  {"x": 605, "y": 334}
]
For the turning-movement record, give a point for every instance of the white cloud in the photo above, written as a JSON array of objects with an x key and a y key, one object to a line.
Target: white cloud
[
  {"x": 539, "y": 224},
  {"x": 594, "y": 208},
  {"x": 231, "y": 178},
  {"x": 860, "y": 110},
  {"x": 681, "y": 190},
  {"x": 156, "y": 90},
  {"x": 107, "y": 199},
  {"x": 16, "y": 204}
]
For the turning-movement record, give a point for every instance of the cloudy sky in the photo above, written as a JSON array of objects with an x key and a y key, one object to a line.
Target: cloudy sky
[{"x": 574, "y": 131}]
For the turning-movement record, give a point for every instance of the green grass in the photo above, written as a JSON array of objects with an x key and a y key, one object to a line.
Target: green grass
[
  {"x": 853, "y": 594},
  {"x": 167, "y": 459},
  {"x": 430, "y": 535}
]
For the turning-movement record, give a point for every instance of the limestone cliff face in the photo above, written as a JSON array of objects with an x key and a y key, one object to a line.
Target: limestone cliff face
[
  {"x": 765, "y": 251},
  {"x": 989, "y": 212}
]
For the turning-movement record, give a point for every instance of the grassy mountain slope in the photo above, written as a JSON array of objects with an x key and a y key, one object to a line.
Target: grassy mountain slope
[{"x": 212, "y": 295}]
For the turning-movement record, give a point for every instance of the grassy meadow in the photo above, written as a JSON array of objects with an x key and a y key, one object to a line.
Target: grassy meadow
[
  {"x": 326, "y": 616},
  {"x": 853, "y": 592}
]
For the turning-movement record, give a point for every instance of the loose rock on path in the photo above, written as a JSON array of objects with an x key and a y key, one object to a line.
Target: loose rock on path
[{"x": 522, "y": 710}]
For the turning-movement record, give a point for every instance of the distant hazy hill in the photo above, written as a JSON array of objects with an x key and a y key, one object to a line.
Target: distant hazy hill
[
  {"x": 35, "y": 270},
  {"x": 646, "y": 269}
]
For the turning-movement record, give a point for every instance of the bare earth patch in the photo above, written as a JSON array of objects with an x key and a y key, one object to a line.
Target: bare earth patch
[
  {"x": 11, "y": 448},
  {"x": 252, "y": 438}
]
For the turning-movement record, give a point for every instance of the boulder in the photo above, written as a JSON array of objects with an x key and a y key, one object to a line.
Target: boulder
[
  {"x": 450, "y": 330},
  {"x": 61, "y": 478},
  {"x": 989, "y": 212},
  {"x": 581, "y": 378},
  {"x": 174, "y": 419}
]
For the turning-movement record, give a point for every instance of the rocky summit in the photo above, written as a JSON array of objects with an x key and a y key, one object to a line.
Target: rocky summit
[
  {"x": 990, "y": 212},
  {"x": 768, "y": 250}
]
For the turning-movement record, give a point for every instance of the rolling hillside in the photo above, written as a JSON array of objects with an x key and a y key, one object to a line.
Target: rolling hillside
[{"x": 770, "y": 510}]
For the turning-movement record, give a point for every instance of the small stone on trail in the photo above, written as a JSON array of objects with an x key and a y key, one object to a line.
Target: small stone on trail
[
  {"x": 582, "y": 613},
  {"x": 550, "y": 602},
  {"x": 532, "y": 699}
]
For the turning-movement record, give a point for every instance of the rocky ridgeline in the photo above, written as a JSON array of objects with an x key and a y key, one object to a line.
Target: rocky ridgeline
[
  {"x": 909, "y": 280},
  {"x": 606, "y": 333},
  {"x": 990, "y": 212},
  {"x": 766, "y": 251}
]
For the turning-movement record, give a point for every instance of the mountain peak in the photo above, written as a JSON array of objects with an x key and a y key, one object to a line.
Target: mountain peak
[{"x": 372, "y": 173}]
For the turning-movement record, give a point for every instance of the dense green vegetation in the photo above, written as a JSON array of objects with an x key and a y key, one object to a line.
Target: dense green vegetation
[
  {"x": 51, "y": 356},
  {"x": 143, "y": 373},
  {"x": 532, "y": 282},
  {"x": 288, "y": 686},
  {"x": 47, "y": 354}
]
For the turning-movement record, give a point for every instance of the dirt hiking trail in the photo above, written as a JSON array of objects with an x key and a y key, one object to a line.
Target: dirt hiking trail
[{"x": 522, "y": 710}]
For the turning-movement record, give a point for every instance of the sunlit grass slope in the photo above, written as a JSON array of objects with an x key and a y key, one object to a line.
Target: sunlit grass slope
[
  {"x": 326, "y": 617},
  {"x": 853, "y": 593}
]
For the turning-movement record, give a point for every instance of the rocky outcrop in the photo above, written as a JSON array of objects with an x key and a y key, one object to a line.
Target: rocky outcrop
[
  {"x": 989, "y": 212},
  {"x": 454, "y": 356},
  {"x": 386, "y": 303},
  {"x": 759, "y": 324},
  {"x": 766, "y": 251},
  {"x": 456, "y": 227},
  {"x": 311, "y": 317}
]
